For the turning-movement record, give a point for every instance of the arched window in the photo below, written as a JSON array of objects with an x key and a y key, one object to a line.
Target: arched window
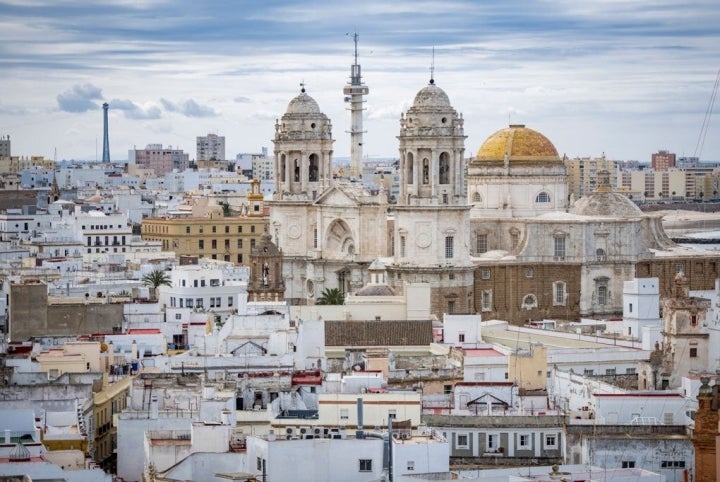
[
  {"x": 296, "y": 171},
  {"x": 444, "y": 168},
  {"x": 600, "y": 253},
  {"x": 409, "y": 162},
  {"x": 477, "y": 198},
  {"x": 529, "y": 302},
  {"x": 426, "y": 171},
  {"x": 542, "y": 197},
  {"x": 313, "y": 168}
]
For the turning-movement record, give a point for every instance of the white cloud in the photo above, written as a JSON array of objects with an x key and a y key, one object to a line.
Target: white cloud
[
  {"x": 79, "y": 98},
  {"x": 135, "y": 111},
  {"x": 189, "y": 108}
]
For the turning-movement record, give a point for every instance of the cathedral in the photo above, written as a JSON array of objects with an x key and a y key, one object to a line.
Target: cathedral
[{"x": 494, "y": 234}]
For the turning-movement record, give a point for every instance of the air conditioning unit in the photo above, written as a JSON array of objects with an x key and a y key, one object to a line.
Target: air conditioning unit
[
  {"x": 290, "y": 431},
  {"x": 305, "y": 431},
  {"x": 319, "y": 432}
]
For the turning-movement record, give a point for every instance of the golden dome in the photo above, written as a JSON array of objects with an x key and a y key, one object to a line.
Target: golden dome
[{"x": 520, "y": 144}]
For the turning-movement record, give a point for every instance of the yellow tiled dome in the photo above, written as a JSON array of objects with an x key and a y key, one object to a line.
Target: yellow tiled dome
[{"x": 520, "y": 144}]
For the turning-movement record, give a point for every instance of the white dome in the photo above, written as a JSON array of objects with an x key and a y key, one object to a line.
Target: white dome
[
  {"x": 431, "y": 96},
  {"x": 303, "y": 104},
  {"x": 606, "y": 204}
]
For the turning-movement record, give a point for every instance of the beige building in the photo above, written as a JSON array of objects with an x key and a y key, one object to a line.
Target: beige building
[
  {"x": 160, "y": 160},
  {"x": 227, "y": 238},
  {"x": 210, "y": 148},
  {"x": 16, "y": 164},
  {"x": 686, "y": 184},
  {"x": 582, "y": 173},
  {"x": 73, "y": 357},
  {"x": 107, "y": 403},
  {"x": 528, "y": 368}
]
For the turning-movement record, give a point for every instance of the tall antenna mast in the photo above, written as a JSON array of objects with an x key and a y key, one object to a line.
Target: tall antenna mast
[
  {"x": 355, "y": 39},
  {"x": 106, "y": 137},
  {"x": 354, "y": 94},
  {"x": 432, "y": 67}
]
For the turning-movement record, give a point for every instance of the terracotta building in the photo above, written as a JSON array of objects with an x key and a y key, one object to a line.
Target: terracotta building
[{"x": 705, "y": 435}]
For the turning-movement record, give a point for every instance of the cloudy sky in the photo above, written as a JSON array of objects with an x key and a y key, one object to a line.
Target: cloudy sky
[{"x": 619, "y": 77}]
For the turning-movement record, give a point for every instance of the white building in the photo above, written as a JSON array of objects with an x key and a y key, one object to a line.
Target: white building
[
  {"x": 263, "y": 166},
  {"x": 166, "y": 403},
  {"x": 641, "y": 309},
  {"x": 348, "y": 459},
  {"x": 210, "y": 286},
  {"x": 484, "y": 363},
  {"x": 462, "y": 330}
]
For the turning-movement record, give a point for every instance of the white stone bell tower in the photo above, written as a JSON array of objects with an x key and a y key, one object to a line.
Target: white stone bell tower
[
  {"x": 303, "y": 150},
  {"x": 430, "y": 240}
]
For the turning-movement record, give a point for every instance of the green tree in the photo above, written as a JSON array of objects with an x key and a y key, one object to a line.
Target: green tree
[
  {"x": 331, "y": 296},
  {"x": 226, "y": 208},
  {"x": 156, "y": 279}
]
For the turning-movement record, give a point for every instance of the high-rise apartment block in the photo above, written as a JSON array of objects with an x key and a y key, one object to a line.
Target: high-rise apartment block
[
  {"x": 5, "y": 146},
  {"x": 583, "y": 172},
  {"x": 210, "y": 148},
  {"x": 663, "y": 160},
  {"x": 263, "y": 167},
  {"x": 160, "y": 160}
]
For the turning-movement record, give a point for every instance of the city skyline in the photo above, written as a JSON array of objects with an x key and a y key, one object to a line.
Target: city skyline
[{"x": 624, "y": 79}]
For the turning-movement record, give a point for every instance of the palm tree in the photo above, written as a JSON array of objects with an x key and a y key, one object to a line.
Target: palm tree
[
  {"x": 155, "y": 279},
  {"x": 331, "y": 296}
]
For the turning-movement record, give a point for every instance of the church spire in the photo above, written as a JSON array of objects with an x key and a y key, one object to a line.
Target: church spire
[{"x": 54, "y": 194}]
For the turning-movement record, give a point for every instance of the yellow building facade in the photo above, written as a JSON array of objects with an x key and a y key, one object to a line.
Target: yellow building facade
[
  {"x": 226, "y": 238},
  {"x": 107, "y": 403},
  {"x": 16, "y": 164},
  {"x": 528, "y": 368}
]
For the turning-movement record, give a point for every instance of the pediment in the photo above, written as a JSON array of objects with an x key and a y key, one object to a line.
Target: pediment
[{"x": 335, "y": 197}]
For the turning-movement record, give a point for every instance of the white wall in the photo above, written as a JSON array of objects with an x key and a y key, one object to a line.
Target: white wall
[
  {"x": 467, "y": 325},
  {"x": 665, "y": 408},
  {"x": 317, "y": 460}
]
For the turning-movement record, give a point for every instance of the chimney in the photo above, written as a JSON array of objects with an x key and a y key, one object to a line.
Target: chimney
[
  {"x": 360, "y": 434},
  {"x": 154, "y": 408},
  {"x": 225, "y": 417}
]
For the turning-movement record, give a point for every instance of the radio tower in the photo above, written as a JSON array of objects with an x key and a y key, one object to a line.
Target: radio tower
[
  {"x": 106, "y": 139},
  {"x": 354, "y": 92}
]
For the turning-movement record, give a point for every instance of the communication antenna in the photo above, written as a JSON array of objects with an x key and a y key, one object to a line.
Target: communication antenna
[
  {"x": 432, "y": 67},
  {"x": 355, "y": 92}
]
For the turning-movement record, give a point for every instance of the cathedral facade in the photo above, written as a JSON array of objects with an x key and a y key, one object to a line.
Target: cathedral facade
[{"x": 496, "y": 234}]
